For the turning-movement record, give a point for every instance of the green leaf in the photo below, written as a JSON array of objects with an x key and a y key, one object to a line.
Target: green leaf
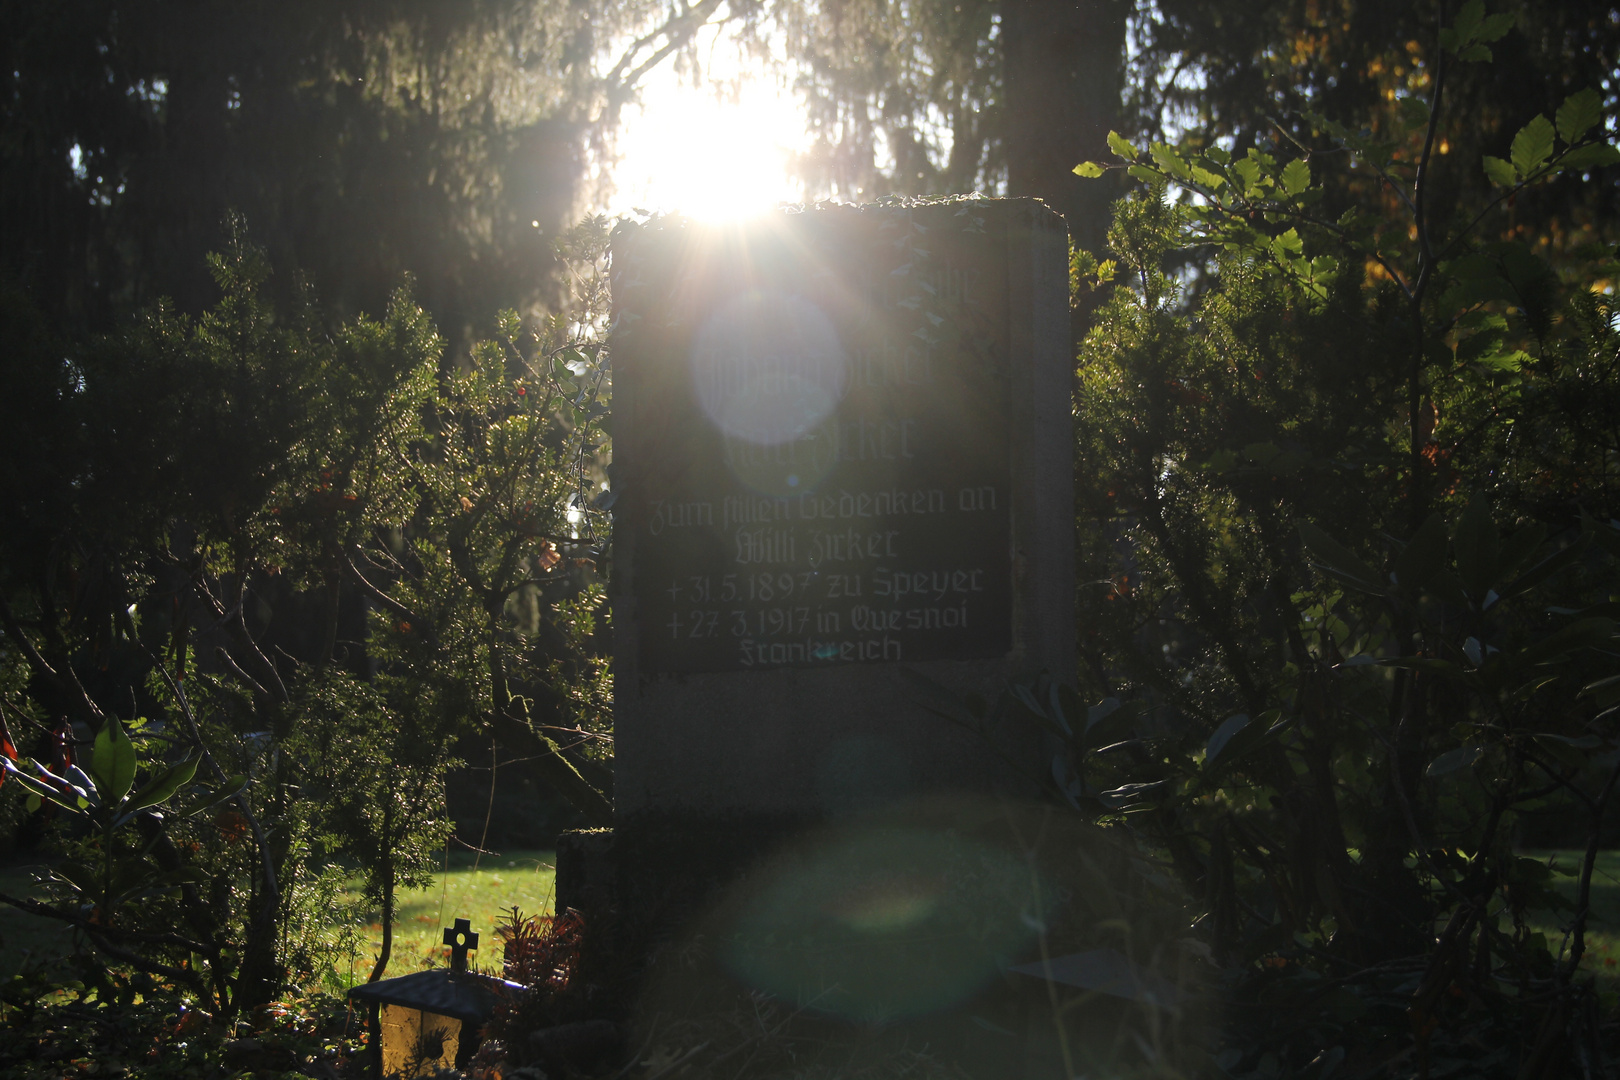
[
  {"x": 1532, "y": 146},
  {"x": 1541, "y": 571},
  {"x": 1296, "y": 177},
  {"x": 1170, "y": 161},
  {"x": 1595, "y": 633},
  {"x": 1499, "y": 172},
  {"x": 1144, "y": 174},
  {"x": 1476, "y": 54},
  {"x": 1090, "y": 170},
  {"x": 1583, "y": 742},
  {"x": 1414, "y": 112},
  {"x": 1606, "y": 691},
  {"x": 1519, "y": 547},
  {"x": 1106, "y": 722},
  {"x": 1504, "y": 361},
  {"x": 1591, "y": 156},
  {"x": 1239, "y": 735},
  {"x": 112, "y": 762},
  {"x": 1223, "y": 735},
  {"x": 1494, "y": 27},
  {"x": 1432, "y": 665},
  {"x": 78, "y": 876},
  {"x": 1453, "y": 760},
  {"x": 1579, "y": 113},
  {"x": 1119, "y": 145},
  {"x": 1338, "y": 560},
  {"x": 169, "y": 782},
  {"x": 1248, "y": 171},
  {"x": 1289, "y": 241},
  {"x": 225, "y": 792},
  {"x": 1468, "y": 20},
  {"x": 53, "y": 790}
]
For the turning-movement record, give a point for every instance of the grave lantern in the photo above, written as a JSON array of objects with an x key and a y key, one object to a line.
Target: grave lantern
[{"x": 430, "y": 1020}]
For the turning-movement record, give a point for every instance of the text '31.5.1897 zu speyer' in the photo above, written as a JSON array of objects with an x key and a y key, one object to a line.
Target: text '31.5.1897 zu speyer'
[{"x": 841, "y": 444}]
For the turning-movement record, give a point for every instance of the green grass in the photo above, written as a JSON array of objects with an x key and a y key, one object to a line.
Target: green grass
[
  {"x": 1603, "y": 924},
  {"x": 25, "y": 937},
  {"x": 481, "y": 896},
  {"x": 522, "y": 878}
]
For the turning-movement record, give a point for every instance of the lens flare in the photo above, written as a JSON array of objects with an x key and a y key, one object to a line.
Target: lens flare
[
  {"x": 768, "y": 368},
  {"x": 883, "y": 923}
]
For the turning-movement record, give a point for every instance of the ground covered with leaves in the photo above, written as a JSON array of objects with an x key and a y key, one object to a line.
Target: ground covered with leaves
[{"x": 161, "y": 1037}]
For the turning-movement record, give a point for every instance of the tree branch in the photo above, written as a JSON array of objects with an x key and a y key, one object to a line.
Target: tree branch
[{"x": 65, "y": 679}]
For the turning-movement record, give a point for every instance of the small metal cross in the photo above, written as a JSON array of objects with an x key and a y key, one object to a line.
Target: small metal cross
[{"x": 460, "y": 938}]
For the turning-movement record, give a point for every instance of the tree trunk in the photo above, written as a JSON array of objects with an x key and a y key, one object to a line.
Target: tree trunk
[
  {"x": 387, "y": 917},
  {"x": 1063, "y": 71}
]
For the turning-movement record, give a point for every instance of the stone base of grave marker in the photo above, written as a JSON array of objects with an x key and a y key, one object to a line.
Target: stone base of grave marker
[{"x": 843, "y": 451}]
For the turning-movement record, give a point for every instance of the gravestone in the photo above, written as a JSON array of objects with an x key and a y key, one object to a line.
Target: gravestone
[{"x": 842, "y": 451}]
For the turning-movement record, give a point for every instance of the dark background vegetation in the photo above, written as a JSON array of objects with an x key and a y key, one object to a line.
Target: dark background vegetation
[{"x": 302, "y": 368}]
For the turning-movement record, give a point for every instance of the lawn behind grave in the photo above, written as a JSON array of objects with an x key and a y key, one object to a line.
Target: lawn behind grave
[
  {"x": 479, "y": 893},
  {"x": 1603, "y": 924}
]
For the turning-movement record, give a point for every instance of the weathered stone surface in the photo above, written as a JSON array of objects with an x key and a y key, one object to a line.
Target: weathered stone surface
[{"x": 843, "y": 448}]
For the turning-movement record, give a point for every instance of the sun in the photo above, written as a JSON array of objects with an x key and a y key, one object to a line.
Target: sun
[{"x": 718, "y": 152}]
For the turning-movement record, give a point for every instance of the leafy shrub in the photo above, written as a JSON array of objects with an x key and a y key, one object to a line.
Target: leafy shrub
[{"x": 1346, "y": 576}]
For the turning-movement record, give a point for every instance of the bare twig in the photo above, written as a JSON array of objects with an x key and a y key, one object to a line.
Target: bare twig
[
  {"x": 1583, "y": 895},
  {"x": 65, "y": 679},
  {"x": 36, "y": 907},
  {"x": 1420, "y": 185},
  {"x": 229, "y": 661},
  {"x": 272, "y": 892}
]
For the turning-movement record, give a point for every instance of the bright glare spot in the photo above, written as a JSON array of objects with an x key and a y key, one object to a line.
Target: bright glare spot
[
  {"x": 768, "y": 368},
  {"x": 720, "y": 151}
]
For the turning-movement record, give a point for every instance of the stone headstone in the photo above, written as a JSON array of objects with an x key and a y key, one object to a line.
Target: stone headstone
[{"x": 842, "y": 449}]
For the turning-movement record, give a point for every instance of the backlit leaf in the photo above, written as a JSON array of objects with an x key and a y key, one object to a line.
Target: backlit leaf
[
  {"x": 1170, "y": 161},
  {"x": 1288, "y": 242},
  {"x": 1504, "y": 361},
  {"x": 1296, "y": 177},
  {"x": 1500, "y": 172},
  {"x": 1594, "y": 156},
  {"x": 1248, "y": 171},
  {"x": 171, "y": 781},
  {"x": 1119, "y": 145},
  {"x": 112, "y": 762},
  {"x": 1578, "y": 114},
  {"x": 1089, "y": 169},
  {"x": 1532, "y": 146}
]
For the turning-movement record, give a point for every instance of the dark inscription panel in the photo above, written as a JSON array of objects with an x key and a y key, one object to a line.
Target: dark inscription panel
[{"x": 817, "y": 471}]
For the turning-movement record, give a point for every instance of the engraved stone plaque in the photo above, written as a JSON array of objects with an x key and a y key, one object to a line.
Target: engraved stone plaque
[
  {"x": 842, "y": 450},
  {"x": 825, "y": 478}
]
